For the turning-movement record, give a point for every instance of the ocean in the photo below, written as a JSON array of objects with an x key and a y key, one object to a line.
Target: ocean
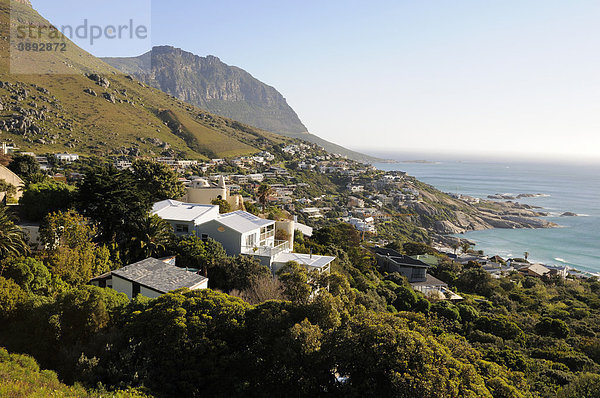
[{"x": 565, "y": 188}]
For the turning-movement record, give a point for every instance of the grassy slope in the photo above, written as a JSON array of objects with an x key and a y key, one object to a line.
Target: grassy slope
[{"x": 97, "y": 125}]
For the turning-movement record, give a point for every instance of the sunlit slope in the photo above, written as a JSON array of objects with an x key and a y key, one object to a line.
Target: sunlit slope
[{"x": 83, "y": 105}]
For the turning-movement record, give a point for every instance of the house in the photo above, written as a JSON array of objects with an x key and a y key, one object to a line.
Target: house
[
  {"x": 312, "y": 212},
  {"x": 6, "y": 148},
  {"x": 239, "y": 232},
  {"x": 67, "y": 157},
  {"x": 416, "y": 272},
  {"x": 537, "y": 270},
  {"x": 392, "y": 261},
  {"x": 355, "y": 188},
  {"x": 366, "y": 225},
  {"x": 11, "y": 178},
  {"x": 355, "y": 202},
  {"x": 185, "y": 217},
  {"x": 201, "y": 191},
  {"x": 151, "y": 278}
]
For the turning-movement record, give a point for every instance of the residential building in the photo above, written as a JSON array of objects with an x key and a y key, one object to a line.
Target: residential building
[
  {"x": 6, "y": 148},
  {"x": 239, "y": 232},
  {"x": 355, "y": 202},
  {"x": 11, "y": 178},
  {"x": 66, "y": 157},
  {"x": 537, "y": 270},
  {"x": 201, "y": 191},
  {"x": 415, "y": 272},
  {"x": 151, "y": 278}
]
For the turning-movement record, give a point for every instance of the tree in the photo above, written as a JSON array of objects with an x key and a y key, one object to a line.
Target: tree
[
  {"x": 158, "y": 179},
  {"x": 586, "y": 385},
  {"x": 455, "y": 247},
  {"x": 12, "y": 297},
  {"x": 26, "y": 167},
  {"x": 236, "y": 273},
  {"x": 44, "y": 197},
  {"x": 66, "y": 228},
  {"x": 193, "y": 252},
  {"x": 465, "y": 247},
  {"x": 29, "y": 273},
  {"x": 10, "y": 189},
  {"x": 224, "y": 206},
  {"x": 417, "y": 248},
  {"x": 295, "y": 282},
  {"x": 150, "y": 237},
  {"x": 69, "y": 250},
  {"x": 380, "y": 356},
  {"x": 264, "y": 193},
  {"x": 552, "y": 327},
  {"x": 114, "y": 200},
  {"x": 12, "y": 238}
]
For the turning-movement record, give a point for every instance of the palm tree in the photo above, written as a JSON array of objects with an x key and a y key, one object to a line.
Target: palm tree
[
  {"x": 12, "y": 238},
  {"x": 264, "y": 192},
  {"x": 465, "y": 247},
  {"x": 455, "y": 246},
  {"x": 151, "y": 236}
]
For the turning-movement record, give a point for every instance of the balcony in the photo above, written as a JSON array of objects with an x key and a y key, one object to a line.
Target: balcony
[{"x": 267, "y": 251}]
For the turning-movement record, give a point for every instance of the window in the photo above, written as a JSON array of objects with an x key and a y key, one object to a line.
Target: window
[
  {"x": 135, "y": 289},
  {"x": 251, "y": 240},
  {"x": 204, "y": 237},
  {"x": 181, "y": 228}
]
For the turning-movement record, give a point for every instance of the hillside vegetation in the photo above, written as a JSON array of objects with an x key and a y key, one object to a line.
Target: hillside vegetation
[{"x": 83, "y": 105}]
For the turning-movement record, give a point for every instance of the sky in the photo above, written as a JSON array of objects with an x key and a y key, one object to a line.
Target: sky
[{"x": 499, "y": 78}]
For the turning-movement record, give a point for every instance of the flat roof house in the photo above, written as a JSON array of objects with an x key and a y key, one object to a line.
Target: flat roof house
[
  {"x": 239, "y": 232},
  {"x": 151, "y": 278}
]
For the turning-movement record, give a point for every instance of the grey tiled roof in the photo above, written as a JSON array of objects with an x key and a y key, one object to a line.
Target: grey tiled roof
[
  {"x": 430, "y": 281},
  {"x": 158, "y": 276}
]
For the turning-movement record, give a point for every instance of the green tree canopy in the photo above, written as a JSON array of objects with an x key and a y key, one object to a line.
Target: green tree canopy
[
  {"x": 26, "y": 167},
  {"x": 29, "y": 273},
  {"x": 114, "y": 200},
  {"x": 158, "y": 179},
  {"x": 44, "y": 197}
]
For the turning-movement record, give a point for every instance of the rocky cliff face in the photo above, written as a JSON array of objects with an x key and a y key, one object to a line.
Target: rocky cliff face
[{"x": 213, "y": 85}]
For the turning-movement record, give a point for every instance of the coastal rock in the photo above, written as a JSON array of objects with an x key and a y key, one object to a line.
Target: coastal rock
[
  {"x": 446, "y": 227},
  {"x": 568, "y": 214}
]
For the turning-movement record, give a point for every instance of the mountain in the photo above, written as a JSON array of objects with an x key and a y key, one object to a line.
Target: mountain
[
  {"x": 213, "y": 85},
  {"x": 222, "y": 89},
  {"x": 54, "y": 101}
]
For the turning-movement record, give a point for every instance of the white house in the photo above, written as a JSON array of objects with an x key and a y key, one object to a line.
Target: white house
[
  {"x": 239, "y": 232},
  {"x": 150, "y": 278},
  {"x": 67, "y": 157}
]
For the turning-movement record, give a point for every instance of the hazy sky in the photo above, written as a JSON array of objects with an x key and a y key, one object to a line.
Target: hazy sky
[{"x": 444, "y": 76}]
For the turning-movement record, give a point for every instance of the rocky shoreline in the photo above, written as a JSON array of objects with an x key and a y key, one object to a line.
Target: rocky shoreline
[{"x": 485, "y": 214}]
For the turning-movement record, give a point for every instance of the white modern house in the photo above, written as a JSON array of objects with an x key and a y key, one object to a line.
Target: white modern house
[
  {"x": 67, "y": 157},
  {"x": 239, "y": 232},
  {"x": 151, "y": 278}
]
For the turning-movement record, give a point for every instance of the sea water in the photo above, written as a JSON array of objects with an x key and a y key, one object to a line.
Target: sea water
[{"x": 565, "y": 188}]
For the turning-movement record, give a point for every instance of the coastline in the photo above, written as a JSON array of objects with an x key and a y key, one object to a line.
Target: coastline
[{"x": 551, "y": 189}]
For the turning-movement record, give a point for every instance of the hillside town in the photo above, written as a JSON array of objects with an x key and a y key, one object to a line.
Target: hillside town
[{"x": 270, "y": 197}]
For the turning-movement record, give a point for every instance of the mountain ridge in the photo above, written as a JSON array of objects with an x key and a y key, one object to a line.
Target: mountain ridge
[{"x": 223, "y": 89}]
